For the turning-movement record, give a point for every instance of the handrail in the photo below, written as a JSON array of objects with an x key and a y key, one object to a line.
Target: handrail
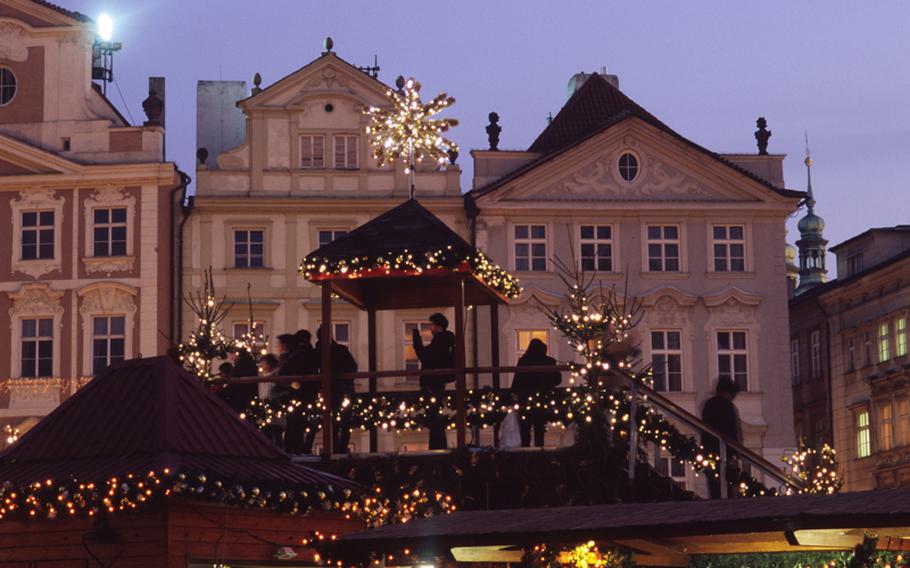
[{"x": 648, "y": 394}]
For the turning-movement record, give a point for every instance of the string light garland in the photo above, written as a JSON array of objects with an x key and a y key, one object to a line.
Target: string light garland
[
  {"x": 407, "y": 132},
  {"x": 207, "y": 343},
  {"x": 585, "y": 555},
  {"x": 315, "y": 268},
  {"x": 817, "y": 468}
]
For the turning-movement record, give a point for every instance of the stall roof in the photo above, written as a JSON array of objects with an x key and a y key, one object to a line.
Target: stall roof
[
  {"x": 761, "y": 524},
  {"x": 147, "y": 415},
  {"x": 407, "y": 258}
]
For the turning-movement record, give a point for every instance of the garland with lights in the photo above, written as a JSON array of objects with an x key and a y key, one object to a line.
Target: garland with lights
[
  {"x": 316, "y": 268},
  {"x": 864, "y": 555},
  {"x": 586, "y": 555},
  {"x": 206, "y": 343},
  {"x": 817, "y": 469}
]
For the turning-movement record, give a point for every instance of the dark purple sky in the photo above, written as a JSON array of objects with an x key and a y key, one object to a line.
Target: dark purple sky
[{"x": 840, "y": 70}]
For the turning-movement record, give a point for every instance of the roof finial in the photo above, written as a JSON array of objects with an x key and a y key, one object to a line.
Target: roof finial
[
  {"x": 327, "y": 45},
  {"x": 810, "y": 197}
]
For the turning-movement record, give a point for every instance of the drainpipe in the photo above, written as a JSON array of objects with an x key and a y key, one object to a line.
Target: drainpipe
[
  {"x": 472, "y": 212},
  {"x": 176, "y": 283}
]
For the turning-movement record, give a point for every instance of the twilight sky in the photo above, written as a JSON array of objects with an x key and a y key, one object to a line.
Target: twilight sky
[{"x": 840, "y": 70}]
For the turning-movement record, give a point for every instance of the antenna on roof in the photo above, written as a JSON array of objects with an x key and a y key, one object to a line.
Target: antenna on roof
[{"x": 372, "y": 70}]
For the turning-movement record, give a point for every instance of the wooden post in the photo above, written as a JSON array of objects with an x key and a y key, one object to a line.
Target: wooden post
[
  {"x": 460, "y": 379},
  {"x": 371, "y": 350},
  {"x": 724, "y": 489},
  {"x": 325, "y": 337},
  {"x": 494, "y": 359}
]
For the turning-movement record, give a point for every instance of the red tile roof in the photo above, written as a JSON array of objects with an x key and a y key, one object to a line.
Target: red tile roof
[
  {"x": 147, "y": 415},
  {"x": 69, "y": 13},
  {"x": 594, "y": 108}
]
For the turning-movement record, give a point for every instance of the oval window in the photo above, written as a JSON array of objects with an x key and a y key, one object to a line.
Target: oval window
[
  {"x": 7, "y": 86},
  {"x": 628, "y": 166}
]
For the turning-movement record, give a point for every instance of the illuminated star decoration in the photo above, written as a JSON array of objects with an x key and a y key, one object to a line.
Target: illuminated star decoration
[{"x": 406, "y": 132}]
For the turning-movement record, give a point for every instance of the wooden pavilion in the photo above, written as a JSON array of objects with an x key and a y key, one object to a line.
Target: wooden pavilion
[
  {"x": 145, "y": 467},
  {"x": 407, "y": 258}
]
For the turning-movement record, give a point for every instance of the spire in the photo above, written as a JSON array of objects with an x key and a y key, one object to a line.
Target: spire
[{"x": 811, "y": 243}]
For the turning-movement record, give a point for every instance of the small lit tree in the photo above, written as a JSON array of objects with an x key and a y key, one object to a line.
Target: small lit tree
[
  {"x": 816, "y": 468},
  {"x": 206, "y": 343}
]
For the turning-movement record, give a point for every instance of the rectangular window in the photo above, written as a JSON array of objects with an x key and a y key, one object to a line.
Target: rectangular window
[
  {"x": 854, "y": 264},
  {"x": 341, "y": 333},
  {"x": 663, "y": 248},
  {"x": 666, "y": 358},
  {"x": 863, "y": 434},
  {"x": 884, "y": 342},
  {"x": 886, "y": 423},
  {"x": 794, "y": 361},
  {"x": 903, "y": 422},
  {"x": 815, "y": 342},
  {"x": 900, "y": 336},
  {"x": 312, "y": 151},
  {"x": 732, "y": 361},
  {"x": 109, "y": 232},
  {"x": 524, "y": 336},
  {"x": 597, "y": 248},
  {"x": 37, "y": 235},
  {"x": 867, "y": 348},
  {"x": 729, "y": 248},
  {"x": 671, "y": 467},
  {"x": 328, "y": 235},
  {"x": 37, "y": 355},
  {"x": 346, "y": 152},
  {"x": 530, "y": 248},
  {"x": 249, "y": 248},
  {"x": 851, "y": 353},
  {"x": 411, "y": 362},
  {"x": 108, "y": 341}
]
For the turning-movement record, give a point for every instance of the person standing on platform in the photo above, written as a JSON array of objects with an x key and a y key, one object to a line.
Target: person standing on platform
[
  {"x": 720, "y": 414},
  {"x": 527, "y": 384},
  {"x": 269, "y": 367},
  {"x": 342, "y": 390},
  {"x": 439, "y": 354},
  {"x": 239, "y": 396}
]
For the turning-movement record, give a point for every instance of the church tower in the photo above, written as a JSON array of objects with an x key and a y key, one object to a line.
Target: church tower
[{"x": 811, "y": 243}]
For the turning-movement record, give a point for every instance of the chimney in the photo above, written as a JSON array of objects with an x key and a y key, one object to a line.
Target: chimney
[{"x": 579, "y": 79}]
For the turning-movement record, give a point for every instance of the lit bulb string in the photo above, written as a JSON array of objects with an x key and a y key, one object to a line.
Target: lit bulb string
[
  {"x": 402, "y": 412},
  {"x": 52, "y": 499},
  {"x": 817, "y": 468},
  {"x": 207, "y": 343},
  {"x": 43, "y": 385},
  {"x": 315, "y": 268}
]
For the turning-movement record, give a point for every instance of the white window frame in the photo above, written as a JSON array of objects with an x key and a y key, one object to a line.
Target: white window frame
[
  {"x": 727, "y": 242},
  {"x": 37, "y": 339},
  {"x": 815, "y": 352},
  {"x": 107, "y": 337},
  {"x": 731, "y": 354},
  {"x": 530, "y": 241},
  {"x": 902, "y": 435},
  {"x": 851, "y": 352},
  {"x": 665, "y": 352},
  {"x": 310, "y": 139},
  {"x": 901, "y": 341},
  {"x": 233, "y": 252},
  {"x": 794, "y": 361},
  {"x": 37, "y": 199},
  {"x": 335, "y": 234},
  {"x": 533, "y": 333},
  {"x": 597, "y": 242},
  {"x": 347, "y": 141},
  {"x": 670, "y": 461},
  {"x": 109, "y": 198},
  {"x": 885, "y": 425},
  {"x": 336, "y": 325},
  {"x": 662, "y": 242},
  {"x": 862, "y": 427},
  {"x": 106, "y": 299},
  {"x": 883, "y": 335},
  {"x": 34, "y": 300}
]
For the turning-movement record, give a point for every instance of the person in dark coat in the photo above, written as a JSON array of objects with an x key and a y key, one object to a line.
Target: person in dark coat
[
  {"x": 527, "y": 384},
  {"x": 720, "y": 414},
  {"x": 439, "y": 354},
  {"x": 239, "y": 396},
  {"x": 298, "y": 358},
  {"x": 342, "y": 362}
]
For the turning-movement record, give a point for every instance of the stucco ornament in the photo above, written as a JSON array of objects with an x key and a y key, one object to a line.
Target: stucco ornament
[
  {"x": 12, "y": 42},
  {"x": 35, "y": 300},
  {"x": 107, "y": 300}
]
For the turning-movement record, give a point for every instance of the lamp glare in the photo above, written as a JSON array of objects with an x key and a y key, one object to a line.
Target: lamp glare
[{"x": 105, "y": 27}]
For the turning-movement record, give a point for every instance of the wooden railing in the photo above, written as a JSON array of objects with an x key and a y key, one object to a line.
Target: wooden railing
[{"x": 639, "y": 394}]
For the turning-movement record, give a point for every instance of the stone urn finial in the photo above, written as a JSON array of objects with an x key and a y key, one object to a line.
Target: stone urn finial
[{"x": 153, "y": 108}]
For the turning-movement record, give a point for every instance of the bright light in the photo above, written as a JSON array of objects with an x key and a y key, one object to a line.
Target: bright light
[{"x": 105, "y": 27}]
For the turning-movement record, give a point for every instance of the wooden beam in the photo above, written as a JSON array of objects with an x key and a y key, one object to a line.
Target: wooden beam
[
  {"x": 497, "y": 554},
  {"x": 326, "y": 368},
  {"x": 371, "y": 350},
  {"x": 461, "y": 418},
  {"x": 494, "y": 359}
]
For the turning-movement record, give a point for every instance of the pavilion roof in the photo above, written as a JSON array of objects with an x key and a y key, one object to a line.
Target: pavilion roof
[
  {"x": 150, "y": 415},
  {"x": 405, "y": 242}
]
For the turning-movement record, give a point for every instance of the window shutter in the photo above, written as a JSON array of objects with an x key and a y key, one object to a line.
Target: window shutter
[
  {"x": 306, "y": 151},
  {"x": 339, "y": 152},
  {"x": 318, "y": 152},
  {"x": 352, "y": 152}
]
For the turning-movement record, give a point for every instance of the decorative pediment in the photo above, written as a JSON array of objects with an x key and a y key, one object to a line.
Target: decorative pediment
[
  {"x": 667, "y": 306},
  {"x": 35, "y": 299},
  {"x": 107, "y": 298},
  {"x": 667, "y": 170},
  {"x": 734, "y": 294},
  {"x": 732, "y": 307},
  {"x": 18, "y": 158}
]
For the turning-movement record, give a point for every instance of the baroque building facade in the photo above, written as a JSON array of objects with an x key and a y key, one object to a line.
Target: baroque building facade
[
  {"x": 86, "y": 200},
  {"x": 699, "y": 237}
]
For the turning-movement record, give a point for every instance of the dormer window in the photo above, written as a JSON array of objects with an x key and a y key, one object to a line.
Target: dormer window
[
  {"x": 854, "y": 264},
  {"x": 7, "y": 86}
]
